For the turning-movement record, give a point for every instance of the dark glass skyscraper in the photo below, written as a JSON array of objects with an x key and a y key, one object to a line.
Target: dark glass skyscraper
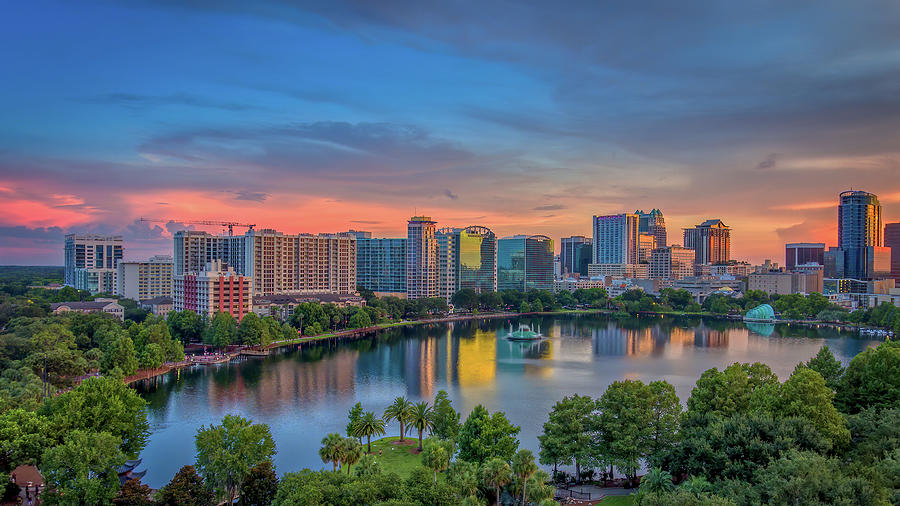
[
  {"x": 859, "y": 232},
  {"x": 525, "y": 263},
  {"x": 381, "y": 265},
  {"x": 575, "y": 254},
  {"x": 653, "y": 223},
  {"x": 892, "y": 240}
]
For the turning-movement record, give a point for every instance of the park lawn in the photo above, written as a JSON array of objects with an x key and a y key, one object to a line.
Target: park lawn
[
  {"x": 396, "y": 458},
  {"x": 618, "y": 500}
]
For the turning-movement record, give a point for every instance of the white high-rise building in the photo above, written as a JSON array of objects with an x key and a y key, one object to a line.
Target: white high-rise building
[
  {"x": 145, "y": 280},
  {"x": 90, "y": 261}
]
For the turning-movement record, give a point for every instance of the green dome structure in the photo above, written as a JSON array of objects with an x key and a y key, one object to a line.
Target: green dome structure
[{"x": 761, "y": 313}]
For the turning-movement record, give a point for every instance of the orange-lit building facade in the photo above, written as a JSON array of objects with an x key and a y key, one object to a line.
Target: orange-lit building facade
[{"x": 212, "y": 290}]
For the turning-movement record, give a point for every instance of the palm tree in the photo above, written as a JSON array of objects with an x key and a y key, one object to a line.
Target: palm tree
[
  {"x": 436, "y": 457},
  {"x": 422, "y": 418},
  {"x": 523, "y": 466},
  {"x": 657, "y": 480},
  {"x": 368, "y": 466},
  {"x": 368, "y": 425},
  {"x": 696, "y": 485},
  {"x": 352, "y": 452},
  {"x": 495, "y": 474},
  {"x": 330, "y": 450},
  {"x": 399, "y": 411}
]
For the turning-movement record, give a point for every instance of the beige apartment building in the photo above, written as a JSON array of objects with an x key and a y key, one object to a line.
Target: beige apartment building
[{"x": 145, "y": 280}]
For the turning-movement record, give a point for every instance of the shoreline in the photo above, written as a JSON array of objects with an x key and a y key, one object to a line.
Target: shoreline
[{"x": 358, "y": 333}]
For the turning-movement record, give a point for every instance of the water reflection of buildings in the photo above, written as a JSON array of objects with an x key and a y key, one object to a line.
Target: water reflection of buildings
[
  {"x": 705, "y": 337},
  {"x": 653, "y": 339},
  {"x": 274, "y": 383},
  {"x": 476, "y": 362}
]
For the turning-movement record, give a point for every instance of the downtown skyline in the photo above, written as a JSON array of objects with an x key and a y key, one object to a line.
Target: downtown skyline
[{"x": 312, "y": 119}]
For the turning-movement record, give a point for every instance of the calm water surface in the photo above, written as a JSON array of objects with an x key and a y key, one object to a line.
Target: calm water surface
[{"x": 304, "y": 394}]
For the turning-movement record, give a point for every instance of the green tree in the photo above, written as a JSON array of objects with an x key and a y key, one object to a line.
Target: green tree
[
  {"x": 133, "y": 493},
  {"x": 185, "y": 489},
  {"x": 23, "y": 438},
  {"x": 729, "y": 392},
  {"x": 420, "y": 417},
  {"x": 260, "y": 486},
  {"x": 495, "y": 473},
  {"x": 118, "y": 351},
  {"x": 829, "y": 367},
  {"x": 657, "y": 481},
  {"x": 626, "y": 415},
  {"x": 368, "y": 425},
  {"x": 806, "y": 395},
  {"x": 101, "y": 405},
  {"x": 221, "y": 331},
  {"x": 186, "y": 326},
  {"x": 436, "y": 456},
  {"x": 465, "y": 298},
  {"x": 569, "y": 432},
  {"x": 227, "y": 452},
  {"x": 872, "y": 379},
  {"x": 523, "y": 466},
  {"x": 82, "y": 469},
  {"x": 446, "y": 419},
  {"x": 666, "y": 414},
  {"x": 353, "y": 415},
  {"x": 152, "y": 357},
  {"x": 484, "y": 436},
  {"x": 360, "y": 319},
  {"x": 400, "y": 410},
  {"x": 251, "y": 331},
  {"x": 330, "y": 449},
  {"x": 349, "y": 451},
  {"x": 368, "y": 466},
  {"x": 463, "y": 477}
]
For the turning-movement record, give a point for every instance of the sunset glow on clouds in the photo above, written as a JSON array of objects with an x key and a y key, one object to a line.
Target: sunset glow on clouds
[{"x": 322, "y": 117}]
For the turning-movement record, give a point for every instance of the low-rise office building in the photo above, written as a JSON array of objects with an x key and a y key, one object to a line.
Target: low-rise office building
[{"x": 108, "y": 306}]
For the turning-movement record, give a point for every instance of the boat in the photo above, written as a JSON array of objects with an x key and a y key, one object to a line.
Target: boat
[{"x": 524, "y": 333}]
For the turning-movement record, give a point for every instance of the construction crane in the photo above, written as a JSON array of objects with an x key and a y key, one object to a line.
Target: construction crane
[{"x": 229, "y": 224}]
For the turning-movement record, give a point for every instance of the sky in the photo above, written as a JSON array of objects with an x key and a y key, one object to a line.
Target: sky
[{"x": 522, "y": 116}]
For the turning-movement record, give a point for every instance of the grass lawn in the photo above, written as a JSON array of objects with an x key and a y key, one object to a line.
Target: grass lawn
[
  {"x": 618, "y": 500},
  {"x": 395, "y": 457}
]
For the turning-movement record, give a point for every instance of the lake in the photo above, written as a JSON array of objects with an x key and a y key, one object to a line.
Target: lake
[{"x": 303, "y": 394}]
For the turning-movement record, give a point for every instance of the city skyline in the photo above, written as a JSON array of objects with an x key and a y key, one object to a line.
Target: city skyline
[{"x": 322, "y": 118}]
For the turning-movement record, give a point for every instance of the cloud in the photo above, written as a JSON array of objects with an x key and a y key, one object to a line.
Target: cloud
[
  {"x": 138, "y": 101},
  {"x": 550, "y": 207},
  {"x": 366, "y": 222},
  {"x": 450, "y": 195},
  {"x": 769, "y": 162},
  {"x": 251, "y": 195}
]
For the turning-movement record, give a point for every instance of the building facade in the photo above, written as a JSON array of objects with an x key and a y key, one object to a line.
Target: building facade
[
  {"x": 616, "y": 239},
  {"x": 216, "y": 288},
  {"x": 799, "y": 253},
  {"x": 108, "y": 306},
  {"x": 277, "y": 262},
  {"x": 711, "y": 242},
  {"x": 421, "y": 258},
  {"x": 145, "y": 280},
  {"x": 575, "y": 254},
  {"x": 859, "y": 230},
  {"x": 672, "y": 262},
  {"x": 784, "y": 283},
  {"x": 653, "y": 223},
  {"x": 381, "y": 265},
  {"x": 892, "y": 241},
  {"x": 90, "y": 261},
  {"x": 525, "y": 263}
]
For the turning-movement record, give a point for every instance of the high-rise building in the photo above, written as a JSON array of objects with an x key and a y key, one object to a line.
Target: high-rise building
[
  {"x": 859, "y": 230},
  {"x": 421, "y": 258},
  {"x": 711, "y": 242},
  {"x": 213, "y": 289},
  {"x": 525, "y": 263},
  {"x": 90, "y": 261},
  {"x": 476, "y": 259},
  {"x": 575, "y": 254},
  {"x": 892, "y": 240},
  {"x": 646, "y": 245},
  {"x": 145, "y": 280},
  {"x": 381, "y": 265},
  {"x": 834, "y": 262},
  {"x": 799, "y": 253},
  {"x": 653, "y": 223},
  {"x": 672, "y": 262},
  {"x": 446, "y": 239},
  {"x": 277, "y": 262},
  {"x": 616, "y": 239}
]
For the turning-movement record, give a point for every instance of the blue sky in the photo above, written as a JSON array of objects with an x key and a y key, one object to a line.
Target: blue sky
[{"x": 526, "y": 117}]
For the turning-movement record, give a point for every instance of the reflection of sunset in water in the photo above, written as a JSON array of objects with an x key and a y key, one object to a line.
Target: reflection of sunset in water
[{"x": 305, "y": 394}]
